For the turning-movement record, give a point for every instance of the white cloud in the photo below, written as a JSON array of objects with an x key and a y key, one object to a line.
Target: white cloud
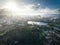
[
  {"x": 30, "y": 10},
  {"x": 33, "y": 9}
]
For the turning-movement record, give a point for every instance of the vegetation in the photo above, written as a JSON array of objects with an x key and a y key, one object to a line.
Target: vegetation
[{"x": 32, "y": 34}]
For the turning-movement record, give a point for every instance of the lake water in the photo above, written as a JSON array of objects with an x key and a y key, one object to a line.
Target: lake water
[{"x": 36, "y": 23}]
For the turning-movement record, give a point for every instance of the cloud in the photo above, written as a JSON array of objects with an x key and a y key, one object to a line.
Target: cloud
[{"x": 33, "y": 9}]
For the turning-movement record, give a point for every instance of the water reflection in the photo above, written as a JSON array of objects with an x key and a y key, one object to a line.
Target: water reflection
[{"x": 36, "y": 23}]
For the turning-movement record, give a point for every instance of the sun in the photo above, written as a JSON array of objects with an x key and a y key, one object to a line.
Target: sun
[
  {"x": 11, "y": 6},
  {"x": 15, "y": 9}
]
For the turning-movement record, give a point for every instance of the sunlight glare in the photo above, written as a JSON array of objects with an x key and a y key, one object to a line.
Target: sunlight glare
[{"x": 11, "y": 6}]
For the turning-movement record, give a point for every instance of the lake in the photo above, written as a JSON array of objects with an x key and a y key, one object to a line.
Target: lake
[{"x": 36, "y": 23}]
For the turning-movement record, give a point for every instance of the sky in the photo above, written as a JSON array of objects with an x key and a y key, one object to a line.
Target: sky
[
  {"x": 26, "y": 8},
  {"x": 36, "y": 7},
  {"x": 48, "y": 3}
]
